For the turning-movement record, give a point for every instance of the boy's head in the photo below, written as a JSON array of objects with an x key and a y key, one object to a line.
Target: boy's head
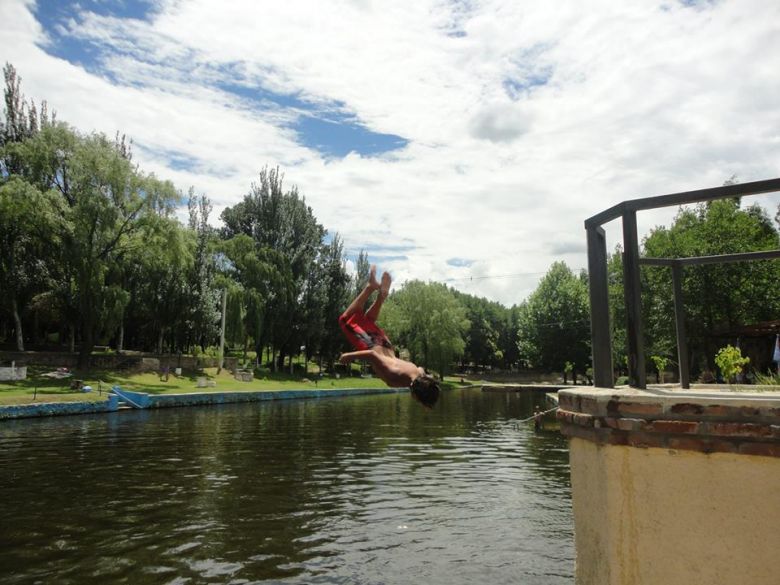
[{"x": 425, "y": 390}]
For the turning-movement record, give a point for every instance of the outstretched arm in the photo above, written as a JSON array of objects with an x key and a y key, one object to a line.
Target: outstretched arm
[{"x": 365, "y": 354}]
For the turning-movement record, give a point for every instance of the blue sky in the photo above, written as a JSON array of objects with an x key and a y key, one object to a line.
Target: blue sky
[
  {"x": 329, "y": 128},
  {"x": 463, "y": 142}
]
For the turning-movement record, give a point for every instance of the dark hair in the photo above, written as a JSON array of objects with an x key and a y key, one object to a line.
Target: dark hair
[{"x": 426, "y": 390}]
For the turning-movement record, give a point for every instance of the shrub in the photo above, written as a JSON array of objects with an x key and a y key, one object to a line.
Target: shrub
[
  {"x": 660, "y": 365},
  {"x": 730, "y": 361},
  {"x": 568, "y": 369}
]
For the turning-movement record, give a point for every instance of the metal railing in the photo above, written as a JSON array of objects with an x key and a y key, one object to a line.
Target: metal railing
[{"x": 599, "y": 292}]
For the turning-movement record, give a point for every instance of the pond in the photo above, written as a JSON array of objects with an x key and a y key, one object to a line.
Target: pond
[{"x": 364, "y": 489}]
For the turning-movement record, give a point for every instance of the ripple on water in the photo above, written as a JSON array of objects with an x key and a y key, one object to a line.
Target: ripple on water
[{"x": 362, "y": 490}]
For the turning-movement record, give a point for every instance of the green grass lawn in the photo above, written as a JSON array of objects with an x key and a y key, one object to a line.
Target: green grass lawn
[{"x": 38, "y": 389}]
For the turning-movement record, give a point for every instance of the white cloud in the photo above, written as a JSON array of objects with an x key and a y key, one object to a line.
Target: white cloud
[{"x": 523, "y": 119}]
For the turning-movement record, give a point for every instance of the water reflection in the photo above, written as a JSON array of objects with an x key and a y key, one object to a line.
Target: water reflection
[{"x": 370, "y": 489}]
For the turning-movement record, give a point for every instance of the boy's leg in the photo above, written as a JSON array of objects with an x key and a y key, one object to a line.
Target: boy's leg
[
  {"x": 360, "y": 301},
  {"x": 384, "y": 290}
]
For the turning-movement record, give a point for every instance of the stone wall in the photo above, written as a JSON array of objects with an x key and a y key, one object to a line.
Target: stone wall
[
  {"x": 673, "y": 487},
  {"x": 55, "y": 409}
]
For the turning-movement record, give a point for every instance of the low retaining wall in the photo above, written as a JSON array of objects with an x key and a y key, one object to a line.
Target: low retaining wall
[
  {"x": 673, "y": 487},
  {"x": 54, "y": 409},
  {"x": 145, "y": 400}
]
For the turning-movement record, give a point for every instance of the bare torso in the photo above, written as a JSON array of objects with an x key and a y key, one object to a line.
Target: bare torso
[{"x": 393, "y": 371}]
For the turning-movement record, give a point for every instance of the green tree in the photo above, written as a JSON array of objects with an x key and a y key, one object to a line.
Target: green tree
[
  {"x": 158, "y": 282},
  {"x": 485, "y": 339},
  {"x": 337, "y": 286},
  {"x": 508, "y": 338},
  {"x": 28, "y": 215},
  {"x": 106, "y": 200},
  {"x": 29, "y": 223},
  {"x": 282, "y": 222},
  {"x": 204, "y": 298},
  {"x": 617, "y": 311},
  {"x": 265, "y": 279},
  {"x": 555, "y": 325},
  {"x": 427, "y": 320},
  {"x": 20, "y": 122},
  {"x": 716, "y": 296},
  {"x": 362, "y": 268}
]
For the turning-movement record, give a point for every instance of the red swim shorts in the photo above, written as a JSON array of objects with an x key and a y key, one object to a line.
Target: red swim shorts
[{"x": 363, "y": 333}]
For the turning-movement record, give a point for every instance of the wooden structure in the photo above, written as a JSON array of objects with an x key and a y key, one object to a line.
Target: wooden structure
[{"x": 597, "y": 269}]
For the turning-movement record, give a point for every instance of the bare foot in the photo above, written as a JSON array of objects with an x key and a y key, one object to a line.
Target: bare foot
[
  {"x": 372, "y": 282},
  {"x": 384, "y": 288}
]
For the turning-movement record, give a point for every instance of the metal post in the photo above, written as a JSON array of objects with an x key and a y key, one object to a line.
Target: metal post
[
  {"x": 631, "y": 284},
  {"x": 679, "y": 318},
  {"x": 222, "y": 333},
  {"x": 601, "y": 340}
]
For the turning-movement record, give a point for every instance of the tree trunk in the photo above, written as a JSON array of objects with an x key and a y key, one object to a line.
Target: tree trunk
[
  {"x": 87, "y": 344},
  {"x": 259, "y": 351},
  {"x": 87, "y": 336},
  {"x": 17, "y": 325},
  {"x": 121, "y": 338},
  {"x": 36, "y": 336},
  {"x": 72, "y": 340}
]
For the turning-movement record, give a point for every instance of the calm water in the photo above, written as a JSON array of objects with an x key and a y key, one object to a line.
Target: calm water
[{"x": 363, "y": 490}]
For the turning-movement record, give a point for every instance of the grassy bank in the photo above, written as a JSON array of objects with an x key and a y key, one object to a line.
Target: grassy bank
[{"x": 38, "y": 389}]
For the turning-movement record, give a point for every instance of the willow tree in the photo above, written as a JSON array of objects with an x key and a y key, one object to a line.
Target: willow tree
[
  {"x": 28, "y": 213},
  {"x": 106, "y": 200},
  {"x": 428, "y": 321},
  {"x": 29, "y": 224},
  {"x": 264, "y": 278}
]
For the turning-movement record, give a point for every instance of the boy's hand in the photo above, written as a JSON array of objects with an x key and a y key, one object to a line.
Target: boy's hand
[{"x": 345, "y": 358}]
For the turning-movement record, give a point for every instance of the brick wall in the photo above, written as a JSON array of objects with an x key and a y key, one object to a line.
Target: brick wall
[{"x": 731, "y": 423}]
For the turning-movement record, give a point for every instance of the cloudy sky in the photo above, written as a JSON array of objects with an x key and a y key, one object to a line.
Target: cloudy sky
[{"x": 462, "y": 141}]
